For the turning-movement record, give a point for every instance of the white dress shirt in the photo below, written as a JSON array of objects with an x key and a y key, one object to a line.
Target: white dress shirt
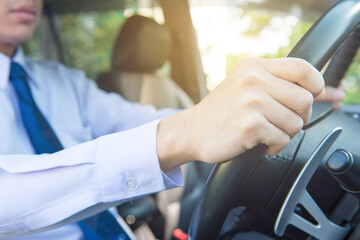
[{"x": 94, "y": 171}]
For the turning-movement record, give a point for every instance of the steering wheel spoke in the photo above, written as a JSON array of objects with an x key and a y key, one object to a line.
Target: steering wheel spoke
[{"x": 324, "y": 228}]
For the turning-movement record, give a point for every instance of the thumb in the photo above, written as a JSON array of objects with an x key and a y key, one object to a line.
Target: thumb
[{"x": 332, "y": 95}]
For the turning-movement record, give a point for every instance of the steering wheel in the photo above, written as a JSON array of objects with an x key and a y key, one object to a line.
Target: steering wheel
[{"x": 260, "y": 183}]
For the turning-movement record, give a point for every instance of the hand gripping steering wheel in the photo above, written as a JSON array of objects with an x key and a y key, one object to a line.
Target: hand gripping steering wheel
[{"x": 260, "y": 183}]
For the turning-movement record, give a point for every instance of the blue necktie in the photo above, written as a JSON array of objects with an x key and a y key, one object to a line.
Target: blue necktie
[
  {"x": 100, "y": 227},
  {"x": 40, "y": 133}
]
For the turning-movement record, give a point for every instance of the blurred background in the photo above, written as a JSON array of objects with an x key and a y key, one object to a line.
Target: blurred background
[{"x": 227, "y": 31}]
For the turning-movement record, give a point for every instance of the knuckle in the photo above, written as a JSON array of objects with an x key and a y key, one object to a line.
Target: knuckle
[
  {"x": 251, "y": 78},
  {"x": 250, "y": 127},
  {"x": 254, "y": 101},
  {"x": 253, "y": 126}
]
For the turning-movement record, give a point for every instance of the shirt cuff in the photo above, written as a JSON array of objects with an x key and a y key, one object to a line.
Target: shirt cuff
[
  {"x": 128, "y": 165},
  {"x": 173, "y": 178}
]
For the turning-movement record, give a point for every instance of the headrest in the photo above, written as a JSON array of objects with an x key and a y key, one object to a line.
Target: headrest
[{"x": 142, "y": 45}]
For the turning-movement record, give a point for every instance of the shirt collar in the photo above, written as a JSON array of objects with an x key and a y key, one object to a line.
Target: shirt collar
[{"x": 5, "y": 63}]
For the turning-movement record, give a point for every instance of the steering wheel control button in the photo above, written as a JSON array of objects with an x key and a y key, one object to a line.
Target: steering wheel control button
[
  {"x": 339, "y": 161},
  {"x": 131, "y": 183},
  {"x": 344, "y": 166}
]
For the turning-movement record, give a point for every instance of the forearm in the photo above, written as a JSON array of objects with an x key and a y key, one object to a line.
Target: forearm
[{"x": 41, "y": 190}]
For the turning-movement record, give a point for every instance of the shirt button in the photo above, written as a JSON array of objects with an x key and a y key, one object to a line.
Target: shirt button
[{"x": 131, "y": 183}]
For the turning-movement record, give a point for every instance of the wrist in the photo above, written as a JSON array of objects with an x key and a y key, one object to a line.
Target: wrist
[{"x": 173, "y": 147}]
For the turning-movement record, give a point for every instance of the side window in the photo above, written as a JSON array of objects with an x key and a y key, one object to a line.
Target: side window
[
  {"x": 237, "y": 33},
  {"x": 83, "y": 40},
  {"x": 88, "y": 39}
]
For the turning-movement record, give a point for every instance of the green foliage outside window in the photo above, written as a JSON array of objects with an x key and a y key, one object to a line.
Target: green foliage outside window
[
  {"x": 261, "y": 18},
  {"x": 88, "y": 39}
]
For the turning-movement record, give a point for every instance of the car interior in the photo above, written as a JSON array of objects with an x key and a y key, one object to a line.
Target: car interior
[{"x": 308, "y": 191}]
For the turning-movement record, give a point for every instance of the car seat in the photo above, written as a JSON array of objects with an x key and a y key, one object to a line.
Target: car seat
[{"x": 142, "y": 47}]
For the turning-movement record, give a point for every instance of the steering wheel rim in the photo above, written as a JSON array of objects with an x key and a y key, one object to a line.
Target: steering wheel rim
[{"x": 218, "y": 198}]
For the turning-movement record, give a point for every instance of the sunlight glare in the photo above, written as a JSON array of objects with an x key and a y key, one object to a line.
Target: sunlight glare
[{"x": 221, "y": 31}]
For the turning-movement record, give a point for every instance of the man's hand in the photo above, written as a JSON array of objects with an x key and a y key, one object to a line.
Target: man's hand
[{"x": 262, "y": 101}]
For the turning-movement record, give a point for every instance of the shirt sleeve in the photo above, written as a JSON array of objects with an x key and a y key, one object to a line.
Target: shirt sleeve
[{"x": 39, "y": 191}]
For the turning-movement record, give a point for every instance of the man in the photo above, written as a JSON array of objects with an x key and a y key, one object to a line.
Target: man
[{"x": 262, "y": 101}]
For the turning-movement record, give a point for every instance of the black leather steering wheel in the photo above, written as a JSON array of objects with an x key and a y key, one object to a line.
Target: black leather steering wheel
[{"x": 260, "y": 183}]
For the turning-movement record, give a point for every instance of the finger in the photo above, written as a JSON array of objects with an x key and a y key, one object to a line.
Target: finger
[
  {"x": 297, "y": 71},
  {"x": 291, "y": 95},
  {"x": 273, "y": 137},
  {"x": 333, "y": 95},
  {"x": 342, "y": 86},
  {"x": 321, "y": 96},
  {"x": 282, "y": 117}
]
